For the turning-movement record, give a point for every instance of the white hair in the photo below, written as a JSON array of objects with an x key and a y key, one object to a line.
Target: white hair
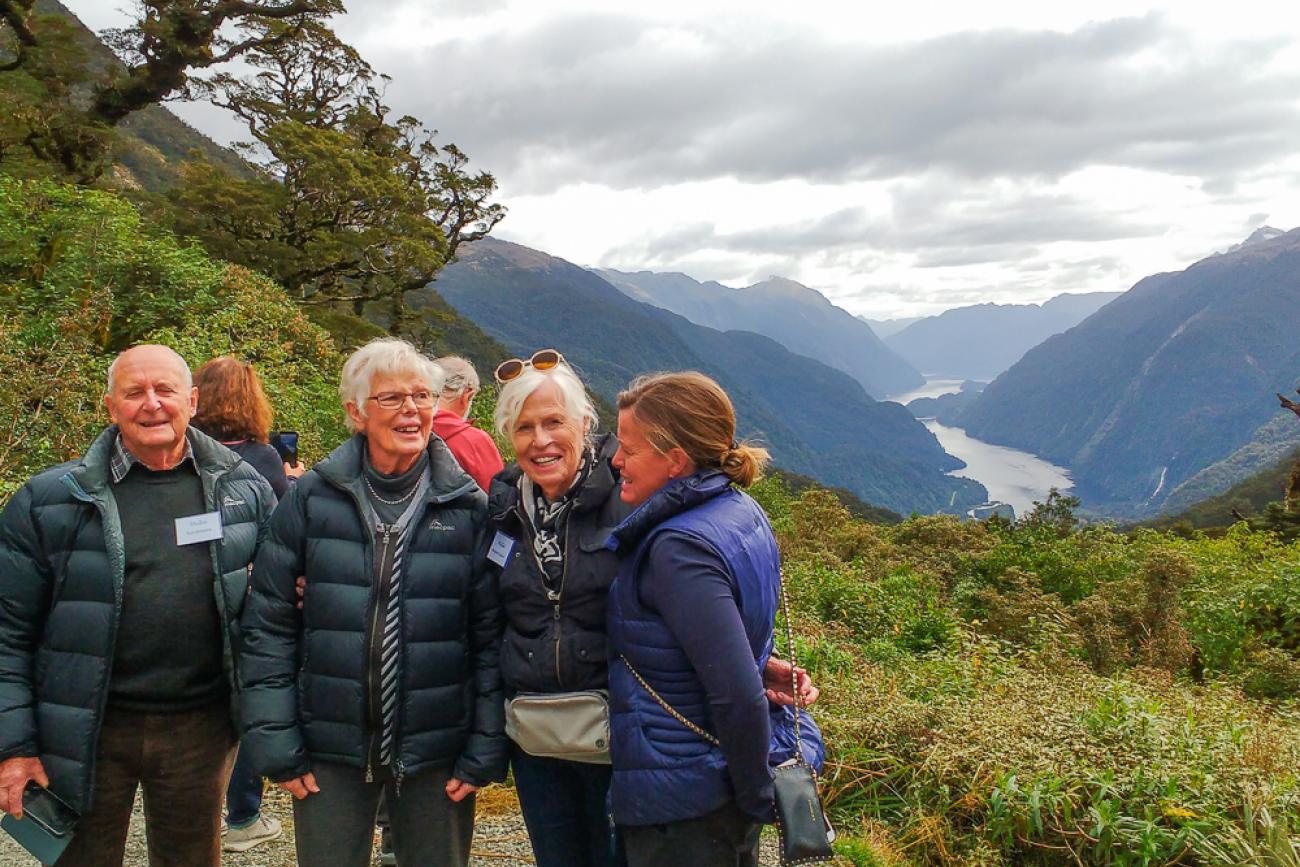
[
  {"x": 460, "y": 375},
  {"x": 112, "y": 368},
  {"x": 384, "y": 356},
  {"x": 510, "y": 401}
]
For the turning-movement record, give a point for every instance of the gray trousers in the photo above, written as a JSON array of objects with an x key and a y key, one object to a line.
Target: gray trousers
[
  {"x": 724, "y": 838},
  {"x": 336, "y": 826}
]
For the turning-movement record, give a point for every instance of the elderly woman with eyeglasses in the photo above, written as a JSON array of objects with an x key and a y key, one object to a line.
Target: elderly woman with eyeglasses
[
  {"x": 386, "y": 679},
  {"x": 550, "y": 515}
]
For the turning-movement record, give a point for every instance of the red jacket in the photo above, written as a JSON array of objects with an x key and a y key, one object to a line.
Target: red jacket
[{"x": 473, "y": 448}]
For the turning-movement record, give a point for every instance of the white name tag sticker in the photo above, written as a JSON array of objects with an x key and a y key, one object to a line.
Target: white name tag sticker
[
  {"x": 502, "y": 545},
  {"x": 198, "y": 528}
]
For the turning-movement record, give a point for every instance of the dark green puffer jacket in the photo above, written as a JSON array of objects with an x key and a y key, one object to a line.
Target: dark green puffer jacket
[
  {"x": 61, "y": 574},
  {"x": 305, "y": 672}
]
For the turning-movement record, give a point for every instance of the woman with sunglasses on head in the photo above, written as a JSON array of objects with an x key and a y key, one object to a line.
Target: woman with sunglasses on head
[
  {"x": 550, "y": 515},
  {"x": 690, "y": 630},
  {"x": 386, "y": 679}
]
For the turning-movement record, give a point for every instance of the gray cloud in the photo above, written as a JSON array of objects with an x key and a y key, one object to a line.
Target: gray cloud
[
  {"x": 592, "y": 97},
  {"x": 941, "y": 225}
]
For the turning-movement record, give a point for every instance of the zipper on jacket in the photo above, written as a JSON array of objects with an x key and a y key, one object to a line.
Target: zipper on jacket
[
  {"x": 375, "y": 648},
  {"x": 557, "y": 598}
]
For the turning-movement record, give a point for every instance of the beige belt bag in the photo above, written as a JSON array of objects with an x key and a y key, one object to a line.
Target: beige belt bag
[{"x": 573, "y": 726}]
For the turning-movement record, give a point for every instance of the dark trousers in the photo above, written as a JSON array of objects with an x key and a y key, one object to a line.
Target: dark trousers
[
  {"x": 244, "y": 794},
  {"x": 336, "y": 826},
  {"x": 724, "y": 838},
  {"x": 566, "y": 811},
  {"x": 181, "y": 761}
]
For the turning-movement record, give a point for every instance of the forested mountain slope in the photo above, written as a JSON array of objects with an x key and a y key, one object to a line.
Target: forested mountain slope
[
  {"x": 797, "y": 317},
  {"x": 982, "y": 340},
  {"x": 1171, "y": 377},
  {"x": 816, "y": 420}
]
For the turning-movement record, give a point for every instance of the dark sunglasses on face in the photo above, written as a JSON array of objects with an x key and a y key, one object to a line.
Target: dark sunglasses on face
[
  {"x": 543, "y": 359},
  {"x": 395, "y": 399}
]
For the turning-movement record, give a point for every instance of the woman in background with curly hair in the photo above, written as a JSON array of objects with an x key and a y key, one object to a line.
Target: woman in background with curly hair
[{"x": 233, "y": 409}]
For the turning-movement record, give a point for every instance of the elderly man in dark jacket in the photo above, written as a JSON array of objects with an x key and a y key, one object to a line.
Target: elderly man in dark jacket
[{"x": 123, "y": 575}]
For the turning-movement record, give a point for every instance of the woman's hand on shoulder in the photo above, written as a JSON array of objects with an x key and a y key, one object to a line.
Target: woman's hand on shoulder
[{"x": 777, "y": 683}]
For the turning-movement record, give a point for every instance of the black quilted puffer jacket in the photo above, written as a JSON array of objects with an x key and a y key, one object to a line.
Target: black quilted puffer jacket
[
  {"x": 61, "y": 574},
  {"x": 305, "y": 673}
]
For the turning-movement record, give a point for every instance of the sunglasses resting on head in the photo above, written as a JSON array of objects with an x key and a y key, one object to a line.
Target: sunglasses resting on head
[{"x": 542, "y": 359}]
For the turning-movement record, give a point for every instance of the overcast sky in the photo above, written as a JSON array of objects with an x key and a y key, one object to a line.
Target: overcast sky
[{"x": 901, "y": 160}]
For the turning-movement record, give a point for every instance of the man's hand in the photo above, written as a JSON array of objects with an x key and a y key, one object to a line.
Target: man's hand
[
  {"x": 776, "y": 680},
  {"x": 458, "y": 790},
  {"x": 294, "y": 471},
  {"x": 301, "y": 787},
  {"x": 300, "y": 587},
  {"x": 15, "y": 774}
]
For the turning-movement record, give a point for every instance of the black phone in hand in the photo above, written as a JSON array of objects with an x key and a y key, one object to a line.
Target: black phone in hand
[
  {"x": 285, "y": 442},
  {"x": 46, "y": 826}
]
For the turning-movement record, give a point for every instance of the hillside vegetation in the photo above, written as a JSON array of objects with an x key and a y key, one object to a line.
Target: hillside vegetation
[
  {"x": 83, "y": 276},
  {"x": 1034, "y": 694}
]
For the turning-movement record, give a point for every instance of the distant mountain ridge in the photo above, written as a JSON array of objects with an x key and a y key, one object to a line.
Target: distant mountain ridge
[
  {"x": 799, "y": 318},
  {"x": 885, "y": 327},
  {"x": 982, "y": 340},
  {"x": 1259, "y": 236},
  {"x": 1175, "y": 376},
  {"x": 816, "y": 420}
]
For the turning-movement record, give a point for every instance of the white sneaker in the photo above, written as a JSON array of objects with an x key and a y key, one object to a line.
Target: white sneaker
[{"x": 255, "y": 833}]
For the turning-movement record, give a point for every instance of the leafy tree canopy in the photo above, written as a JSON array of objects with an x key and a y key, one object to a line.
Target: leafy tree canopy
[{"x": 83, "y": 276}]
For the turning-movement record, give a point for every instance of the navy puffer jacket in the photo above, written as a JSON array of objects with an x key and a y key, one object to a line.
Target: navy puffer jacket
[
  {"x": 554, "y": 646},
  {"x": 305, "y": 671},
  {"x": 61, "y": 574},
  {"x": 663, "y": 771}
]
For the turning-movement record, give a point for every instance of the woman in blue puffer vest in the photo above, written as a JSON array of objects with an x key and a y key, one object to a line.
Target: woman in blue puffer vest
[{"x": 690, "y": 630}]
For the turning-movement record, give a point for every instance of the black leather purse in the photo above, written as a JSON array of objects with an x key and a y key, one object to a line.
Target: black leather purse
[{"x": 801, "y": 822}]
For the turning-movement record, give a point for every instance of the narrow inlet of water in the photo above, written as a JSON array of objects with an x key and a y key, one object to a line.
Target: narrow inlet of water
[{"x": 1013, "y": 477}]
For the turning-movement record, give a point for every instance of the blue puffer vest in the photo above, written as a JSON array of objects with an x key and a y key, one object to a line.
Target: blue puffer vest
[{"x": 663, "y": 772}]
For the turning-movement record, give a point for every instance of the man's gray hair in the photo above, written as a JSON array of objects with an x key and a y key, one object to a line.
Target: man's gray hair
[
  {"x": 510, "y": 401},
  {"x": 112, "y": 368},
  {"x": 384, "y": 356},
  {"x": 460, "y": 375}
]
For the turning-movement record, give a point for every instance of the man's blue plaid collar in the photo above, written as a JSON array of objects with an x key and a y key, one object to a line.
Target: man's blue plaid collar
[{"x": 121, "y": 460}]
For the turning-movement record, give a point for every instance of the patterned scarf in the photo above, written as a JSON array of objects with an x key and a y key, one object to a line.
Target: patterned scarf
[{"x": 548, "y": 520}]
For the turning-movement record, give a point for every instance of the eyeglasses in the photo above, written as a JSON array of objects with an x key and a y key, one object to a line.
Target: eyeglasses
[
  {"x": 543, "y": 359},
  {"x": 395, "y": 399}
]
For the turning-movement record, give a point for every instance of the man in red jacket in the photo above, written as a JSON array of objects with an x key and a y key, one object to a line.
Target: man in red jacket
[{"x": 474, "y": 448}]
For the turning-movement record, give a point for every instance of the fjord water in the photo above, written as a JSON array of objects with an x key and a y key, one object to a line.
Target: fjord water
[{"x": 1011, "y": 476}]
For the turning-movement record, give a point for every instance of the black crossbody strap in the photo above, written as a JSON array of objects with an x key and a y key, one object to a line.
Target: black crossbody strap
[{"x": 794, "y": 684}]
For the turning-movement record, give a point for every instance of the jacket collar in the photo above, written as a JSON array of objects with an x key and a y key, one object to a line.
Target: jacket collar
[
  {"x": 671, "y": 500},
  {"x": 503, "y": 493},
  {"x": 344, "y": 466},
  {"x": 93, "y": 472}
]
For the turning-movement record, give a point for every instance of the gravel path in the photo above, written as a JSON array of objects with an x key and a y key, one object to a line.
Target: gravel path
[{"x": 499, "y": 837}]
